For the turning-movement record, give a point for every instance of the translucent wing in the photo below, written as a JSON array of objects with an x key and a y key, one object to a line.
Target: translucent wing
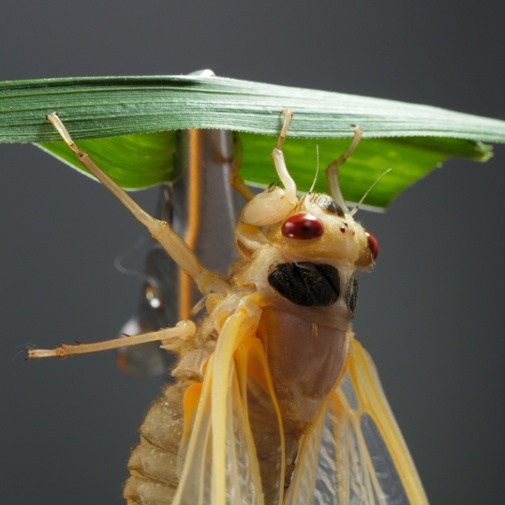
[
  {"x": 355, "y": 453},
  {"x": 219, "y": 464}
]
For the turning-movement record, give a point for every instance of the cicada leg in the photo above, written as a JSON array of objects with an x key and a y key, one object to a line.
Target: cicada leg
[
  {"x": 275, "y": 203},
  {"x": 332, "y": 169},
  {"x": 171, "y": 339},
  {"x": 280, "y": 164},
  {"x": 236, "y": 180},
  {"x": 173, "y": 244}
]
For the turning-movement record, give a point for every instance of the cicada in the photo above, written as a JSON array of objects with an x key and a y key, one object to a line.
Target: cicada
[{"x": 274, "y": 401}]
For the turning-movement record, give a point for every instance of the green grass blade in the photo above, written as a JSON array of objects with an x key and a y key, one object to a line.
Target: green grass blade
[
  {"x": 133, "y": 161},
  {"x": 132, "y": 119}
]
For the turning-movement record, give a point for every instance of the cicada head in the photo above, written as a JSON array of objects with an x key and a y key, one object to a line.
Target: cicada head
[
  {"x": 309, "y": 227},
  {"x": 319, "y": 228},
  {"x": 308, "y": 257}
]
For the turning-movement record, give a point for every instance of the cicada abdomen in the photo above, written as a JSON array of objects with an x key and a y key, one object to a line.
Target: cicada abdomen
[
  {"x": 153, "y": 462},
  {"x": 275, "y": 402}
]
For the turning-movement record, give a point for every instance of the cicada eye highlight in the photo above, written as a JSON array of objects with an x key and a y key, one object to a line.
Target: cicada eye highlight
[
  {"x": 302, "y": 227},
  {"x": 373, "y": 245}
]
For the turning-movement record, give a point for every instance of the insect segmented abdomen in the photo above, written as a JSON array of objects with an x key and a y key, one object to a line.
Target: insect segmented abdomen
[{"x": 153, "y": 462}]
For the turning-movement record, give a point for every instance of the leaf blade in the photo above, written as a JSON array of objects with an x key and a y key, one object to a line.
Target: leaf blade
[
  {"x": 109, "y": 106},
  {"x": 132, "y": 121}
]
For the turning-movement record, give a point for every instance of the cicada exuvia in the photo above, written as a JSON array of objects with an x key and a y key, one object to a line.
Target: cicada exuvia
[{"x": 274, "y": 402}]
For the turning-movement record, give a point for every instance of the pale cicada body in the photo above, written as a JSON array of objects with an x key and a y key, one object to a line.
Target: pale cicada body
[{"x": 275, "y": 402}]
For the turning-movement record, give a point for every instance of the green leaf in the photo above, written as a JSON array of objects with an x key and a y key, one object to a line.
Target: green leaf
[
  {"x": 132, "y": 121},
  {"x": 133, "y": 161},
  {"x": 370, "y": 160}
]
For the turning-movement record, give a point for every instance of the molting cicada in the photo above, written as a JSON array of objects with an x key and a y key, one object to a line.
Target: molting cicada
[{"x": 274, "y": 402}]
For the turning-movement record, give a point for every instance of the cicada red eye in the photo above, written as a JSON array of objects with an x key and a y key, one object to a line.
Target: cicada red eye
[
  {"x": 302, "y": 227},
  {"x": 373, "y": 245}
]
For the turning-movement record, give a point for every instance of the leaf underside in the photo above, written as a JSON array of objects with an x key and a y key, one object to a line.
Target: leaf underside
[{"x": 127, "y": 124}]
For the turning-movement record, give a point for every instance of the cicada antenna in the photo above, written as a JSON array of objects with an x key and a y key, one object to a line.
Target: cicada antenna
[
  {"x": 356, "y": 208},
  {"x": 317, "y": 170}
]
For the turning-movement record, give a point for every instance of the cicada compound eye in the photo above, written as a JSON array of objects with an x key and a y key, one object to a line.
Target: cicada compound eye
[
  {"x": 302, "y": 227},
  {"x": 373, "y": 245}
]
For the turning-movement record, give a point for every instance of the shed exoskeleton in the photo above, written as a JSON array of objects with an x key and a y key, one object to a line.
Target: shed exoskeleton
[{"x": 274, "y": 400}]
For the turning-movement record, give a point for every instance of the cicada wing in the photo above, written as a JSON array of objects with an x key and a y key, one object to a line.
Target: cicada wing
[
  {"x": 200, "y": 477},
  {"x": 362, "y": 457},
  {"x": 219, "y": 463},
  {"x": 304, "y": 478}
]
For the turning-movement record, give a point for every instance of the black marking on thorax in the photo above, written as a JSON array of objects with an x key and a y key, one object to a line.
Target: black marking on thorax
[
  {"x": 306, "y": 284},
  {"x": 313, "y": 285},
  {"x": 351, "y": 298}
]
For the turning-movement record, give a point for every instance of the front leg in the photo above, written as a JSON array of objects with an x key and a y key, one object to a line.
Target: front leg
[
  {"x": 172, "y": 243},
  {"x": 236, "y": 181},
  {"x": 275, "y": 203}
]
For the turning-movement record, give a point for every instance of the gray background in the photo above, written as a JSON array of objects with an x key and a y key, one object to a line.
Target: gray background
[{"x": 431, "y": 314}]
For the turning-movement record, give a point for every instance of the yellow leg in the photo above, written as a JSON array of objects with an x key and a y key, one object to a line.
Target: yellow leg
[
  {"x": 278, "y": 159},
  {"x": 332, "y": 170},
  {"x": 288, "y": 115},
  {"x": 236, "y": 180},
  {"x": 173, "y": 244},
  {"x": 169, "y": 338}
]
